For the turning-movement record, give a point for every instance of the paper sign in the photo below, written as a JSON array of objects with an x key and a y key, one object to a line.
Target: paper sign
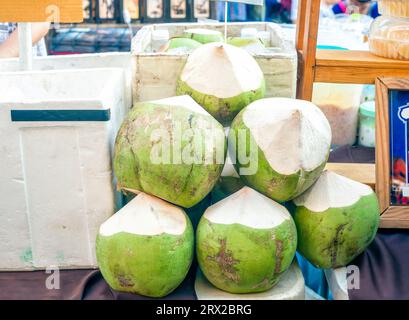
[
  {"x": 255, "y": 2},
  {"x": 41, "y": 11}
]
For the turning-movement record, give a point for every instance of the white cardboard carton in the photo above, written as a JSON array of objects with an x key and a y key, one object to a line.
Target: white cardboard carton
[
  {"x": 290, "y": 287},
  {"x": 57, "y": 130},
  {"x": 337, "y": 282},
  {"x": 81, "y": 61}
]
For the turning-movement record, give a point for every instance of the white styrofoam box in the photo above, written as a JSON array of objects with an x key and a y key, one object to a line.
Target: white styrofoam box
[
  {"x": 291, "y": 286},
  {"x": 311, "y": 294},
  {"x": 81, "y": 61},
  {"x": 337, "y": 282},
  {"x": 156, "y": 74},
  {"x": 57, "y": 130}
]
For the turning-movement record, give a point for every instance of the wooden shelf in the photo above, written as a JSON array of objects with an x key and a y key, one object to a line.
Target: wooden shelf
[
  {"x": 362, "y": 172},
  {"x": 360, "y": 67}
]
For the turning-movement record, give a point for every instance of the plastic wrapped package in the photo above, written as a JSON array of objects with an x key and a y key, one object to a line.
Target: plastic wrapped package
[
  {"x": 389, "y": 38},
  {"x": 394, "y": 8},
  {"x": 159, "y": 39},
  {"x": 340, "y": 104}
]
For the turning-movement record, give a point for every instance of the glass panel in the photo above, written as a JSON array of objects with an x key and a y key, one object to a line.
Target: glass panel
[
  {"x": 155, "y": 9},
  {"x": 399, "y": 148},
  {"x": 133, "y": 8},
  {"x": 178, "y": 9},
  {"x": 202, "y": 9}
]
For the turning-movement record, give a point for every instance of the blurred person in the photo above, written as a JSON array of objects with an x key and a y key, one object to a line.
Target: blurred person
[
  {"x": 365, "y": 7},
  {"x": 255, "y": 12},
  {"x": 235, "y": 11},
  {"x": 9, "y": 44},
  {"x": 278, "y": 11},
  {"x": 326, "y": 9},
  {"x": 273, "y": 8}
]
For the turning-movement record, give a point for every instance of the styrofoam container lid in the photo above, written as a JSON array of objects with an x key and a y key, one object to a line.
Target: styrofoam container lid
[
  {"x": 263, "y": 35},
  {"x": 249, "y": 33},
  {"x": 367, "y": 109},
  {"x": 160, "y": 35}
]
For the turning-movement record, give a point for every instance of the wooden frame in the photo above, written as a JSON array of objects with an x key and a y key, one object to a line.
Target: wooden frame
[
  {"x": 391, "y": 216},
  {"x": 306, "y": 44}
]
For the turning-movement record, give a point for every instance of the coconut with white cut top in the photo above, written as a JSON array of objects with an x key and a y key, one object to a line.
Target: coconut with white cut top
[
  {"x": 245, "y": 242},
  {"x": 281, "y": 146},
  {"x": 146, "y": 247},
  {"x": 337, "y": 218},
  {"x": 223, "y": 79},
  {"x": 171, "y": 148}
]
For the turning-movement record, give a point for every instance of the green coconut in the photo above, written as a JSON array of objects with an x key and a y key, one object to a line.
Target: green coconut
[
  {"x": 245, "y": 242},
  {"x": 251, "y": 45},
  {"x": 280, "y": 146},
  {"x": 146, "y": 248},
  {"x": 171, "y": 148},
  {"x": 337, "y": 218},
  {"x": 204, "y": 35},
  {"x": 182, "y": 43},
  {"x": 223, "y": 79}
]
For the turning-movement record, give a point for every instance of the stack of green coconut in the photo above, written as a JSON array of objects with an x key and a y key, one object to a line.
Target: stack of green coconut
[
  {"x": 172, "y": 153},
  {"x": 194, "y": 38}
]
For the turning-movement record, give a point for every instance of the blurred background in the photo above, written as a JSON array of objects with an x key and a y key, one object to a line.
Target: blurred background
[{"x": 108, "y": 24}]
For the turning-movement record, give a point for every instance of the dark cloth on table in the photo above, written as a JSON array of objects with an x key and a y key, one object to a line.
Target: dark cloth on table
[
  {"x": 77, "y": 285},
  {"x": 384, "y": 267}
]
